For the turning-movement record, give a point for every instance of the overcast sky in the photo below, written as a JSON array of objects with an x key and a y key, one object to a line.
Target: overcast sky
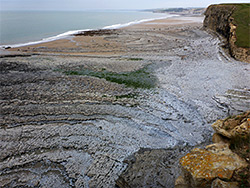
[{"x": 105, "y": 4}]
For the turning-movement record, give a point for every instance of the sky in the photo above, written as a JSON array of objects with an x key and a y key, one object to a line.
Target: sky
[{"x": 105, "y": 4}]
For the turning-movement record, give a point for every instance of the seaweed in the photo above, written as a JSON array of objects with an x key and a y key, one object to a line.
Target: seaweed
[{"x": 141, "y": 78}]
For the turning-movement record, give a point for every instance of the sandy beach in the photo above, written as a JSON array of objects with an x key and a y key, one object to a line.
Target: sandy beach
[
  {"x": 79, "y": 111},
  {"x": 97, "y": 44}
]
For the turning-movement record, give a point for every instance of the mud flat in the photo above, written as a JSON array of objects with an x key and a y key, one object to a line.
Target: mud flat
[{"x": 74, "y": 115}]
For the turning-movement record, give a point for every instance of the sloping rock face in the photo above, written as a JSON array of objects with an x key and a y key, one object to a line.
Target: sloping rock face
[{"x": 219, "y": 18}]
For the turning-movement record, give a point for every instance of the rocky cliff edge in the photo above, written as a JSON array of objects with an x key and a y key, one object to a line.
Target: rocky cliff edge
[{"x": 231, "y": 21}]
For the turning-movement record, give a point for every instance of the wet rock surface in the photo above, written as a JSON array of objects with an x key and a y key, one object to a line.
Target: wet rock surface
[{"x": 76, "y": 131}]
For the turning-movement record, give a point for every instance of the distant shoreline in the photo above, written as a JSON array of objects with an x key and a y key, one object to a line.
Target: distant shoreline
[
  {"x": 70, "y": 33},
  {"x": 74, "y": 41}
]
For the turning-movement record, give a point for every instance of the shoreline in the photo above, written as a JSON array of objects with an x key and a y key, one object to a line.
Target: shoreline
[
  {"x": 69, "y": 34},
  {"x": 68, "y": 109},
  {"x": 83, "y": 44}
]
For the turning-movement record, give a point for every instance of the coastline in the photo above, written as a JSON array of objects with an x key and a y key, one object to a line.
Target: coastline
[
  {"x": 72, "y": 39},
  {"x": 74, "y": 115},
  {"x": 68, "y": 34}
]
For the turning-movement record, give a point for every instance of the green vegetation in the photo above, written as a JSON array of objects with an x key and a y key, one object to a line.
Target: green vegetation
[
  {"x": 135, "y": 59},
  {"x": 141, "y": 78},
  {"x": 241, "y": 17},
  {"x": 128, "y": 96},
  {"x": 132, "y": 59}
]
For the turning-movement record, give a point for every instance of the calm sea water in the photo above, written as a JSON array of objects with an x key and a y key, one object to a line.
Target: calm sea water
[{"x": 20, "y": 27}]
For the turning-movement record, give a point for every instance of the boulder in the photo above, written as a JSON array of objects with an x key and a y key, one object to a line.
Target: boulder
[
  {"x": 149, "y": 168},
  {"x": 202, "y": 166},
  {"x": 238, "y": 126}
]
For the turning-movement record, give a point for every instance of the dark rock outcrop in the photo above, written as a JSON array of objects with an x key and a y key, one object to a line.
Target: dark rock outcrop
[
  {"x": 151, "y": 168},
  {"x": 221, "y": 18}
]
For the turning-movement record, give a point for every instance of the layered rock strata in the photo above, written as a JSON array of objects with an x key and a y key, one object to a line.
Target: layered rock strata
[
  {"x": 220, "y": 18},
  {"x": 59, "y": 130}
]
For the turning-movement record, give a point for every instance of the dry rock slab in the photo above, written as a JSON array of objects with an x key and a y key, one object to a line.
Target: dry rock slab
[{"x": 202, "y": 166}]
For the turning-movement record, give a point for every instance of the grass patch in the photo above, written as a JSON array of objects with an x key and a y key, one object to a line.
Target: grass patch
[
  {"x": 141, "y": 78},
  {"x": 241, "y": 17}
]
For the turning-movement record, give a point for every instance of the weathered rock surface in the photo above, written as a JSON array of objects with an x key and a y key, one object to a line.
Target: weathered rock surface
[
  {"x": 202, "y": 166},
  {"x": 151, "y": 168},
  {"x": 218, "y": 183},
  {"x": 219, "y": 19},
  {"x": 218, "y": 138},
  {"x": 237, "y": 126},
  {"x": 208, "y": 167}
]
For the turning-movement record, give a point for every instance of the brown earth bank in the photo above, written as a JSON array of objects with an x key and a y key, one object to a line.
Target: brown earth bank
[{"x": 79, "y": 111}]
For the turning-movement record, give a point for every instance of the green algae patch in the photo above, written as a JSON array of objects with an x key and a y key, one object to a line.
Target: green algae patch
[
  {"x": 135, "y": 59},
  {"x": 127, "y": 96},
  {"x": 141, "y": 78}
]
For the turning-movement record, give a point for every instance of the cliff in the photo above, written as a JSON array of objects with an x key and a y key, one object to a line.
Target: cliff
[{"x": 231, "y": 21}]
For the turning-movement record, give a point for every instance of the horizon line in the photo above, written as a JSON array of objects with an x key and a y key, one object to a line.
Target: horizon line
[{"x": 147, "y": 9}]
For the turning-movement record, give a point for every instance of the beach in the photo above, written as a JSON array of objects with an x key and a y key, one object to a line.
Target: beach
[
  {"x": 79, "y": 111},
  {"x": 94, "y": 42}
]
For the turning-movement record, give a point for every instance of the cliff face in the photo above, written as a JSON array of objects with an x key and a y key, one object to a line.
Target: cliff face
[{"x": 224, "y": 20}]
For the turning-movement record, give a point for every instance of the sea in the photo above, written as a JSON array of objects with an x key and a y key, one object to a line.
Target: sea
[{"x": 20, "y": 28}]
